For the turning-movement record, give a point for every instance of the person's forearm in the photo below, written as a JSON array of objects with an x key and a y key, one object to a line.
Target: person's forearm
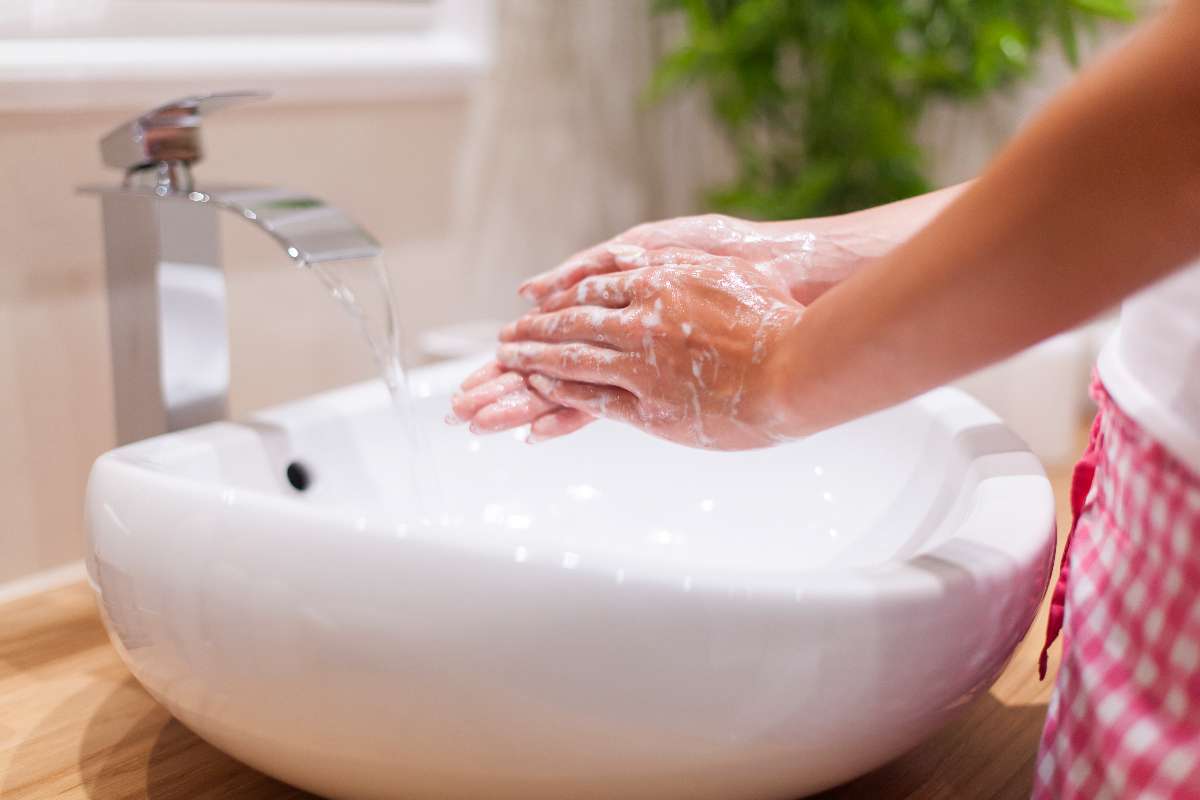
[
  {"x": 1099, "y": 197},
  {"x": 872, "y": 232},
  {"x": 830, "y": 249}
]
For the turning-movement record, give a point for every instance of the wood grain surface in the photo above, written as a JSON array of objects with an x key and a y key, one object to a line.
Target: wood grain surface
[{"x": 74, "y": 724}]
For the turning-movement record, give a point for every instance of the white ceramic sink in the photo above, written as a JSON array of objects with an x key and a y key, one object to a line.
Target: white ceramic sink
[{"x": 603, "y": 616}]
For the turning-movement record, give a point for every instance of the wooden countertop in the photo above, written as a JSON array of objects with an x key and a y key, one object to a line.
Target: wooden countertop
[{"x": 75, "y": 724}]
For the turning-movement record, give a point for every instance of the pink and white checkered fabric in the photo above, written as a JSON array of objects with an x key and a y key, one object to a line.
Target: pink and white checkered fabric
[{"x": 1124, "y": 720}]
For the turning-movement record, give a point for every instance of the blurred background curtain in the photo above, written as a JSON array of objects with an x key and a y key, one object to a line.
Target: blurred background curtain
[{"x": 561, "y": 152}]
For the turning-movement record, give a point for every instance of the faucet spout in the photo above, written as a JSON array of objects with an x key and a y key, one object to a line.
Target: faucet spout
[
  {"x": 308, "y": 230},
  {"x": 166, "y": 287}
]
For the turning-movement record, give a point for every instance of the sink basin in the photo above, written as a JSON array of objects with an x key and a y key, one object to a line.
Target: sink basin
[{"x": 602, "y": 616}]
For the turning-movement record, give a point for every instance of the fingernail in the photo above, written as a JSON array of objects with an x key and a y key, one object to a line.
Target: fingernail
[
  {"x": 512, "y": 354},
  {"x": 454, "y": 419},
  {"x": 525, "y": 290},
  {"x": 543, "y": 384},
  {"x": 533, "y": 438},
  {"x": 627, "y": 253},
  {"x": 621, "y": 250}
]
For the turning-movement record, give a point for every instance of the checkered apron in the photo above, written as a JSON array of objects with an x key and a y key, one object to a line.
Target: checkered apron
[{"x": 1124, "y": 720}]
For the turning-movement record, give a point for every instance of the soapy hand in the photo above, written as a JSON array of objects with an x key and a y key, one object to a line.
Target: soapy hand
[
  {"x": 686, "y": 345},
  {"x": 494, "y": 400},
  {"x": 790, "y": 253}
]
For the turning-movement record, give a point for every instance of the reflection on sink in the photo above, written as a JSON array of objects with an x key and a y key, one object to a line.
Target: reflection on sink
[{"x": 601, "y": 616}]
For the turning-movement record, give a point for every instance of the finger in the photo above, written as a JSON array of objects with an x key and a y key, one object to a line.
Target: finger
[
  {"x": 518, "y": 407},
  {"x": 610, "y": 402},
  {"x": 611, "y": 256},
  {"x": 593, "y": 261},
  {"x": 668, "y": 257},
  {"x": 465, "y": 404},
  {"x": 572, "y": 361},
  {"x": 485, "y": 373},
  {"x": 609, "y": 291},
  {"x": 557, "y": 423},
  {"x": 581, "y": 324}
]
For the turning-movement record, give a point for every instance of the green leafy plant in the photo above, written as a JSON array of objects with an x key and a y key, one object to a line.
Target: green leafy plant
[{"x": 821, "y": 98}]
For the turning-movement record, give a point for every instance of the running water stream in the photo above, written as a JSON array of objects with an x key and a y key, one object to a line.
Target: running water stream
[{"x": 363, "y": 289}]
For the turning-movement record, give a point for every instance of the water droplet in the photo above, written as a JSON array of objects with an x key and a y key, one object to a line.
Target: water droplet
[
  {"x": 662, "y": 536},
  {"x": 582, "y": 491}
]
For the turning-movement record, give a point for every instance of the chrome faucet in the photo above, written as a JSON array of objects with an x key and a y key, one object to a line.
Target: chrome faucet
[{"x": 166, "y": 289}]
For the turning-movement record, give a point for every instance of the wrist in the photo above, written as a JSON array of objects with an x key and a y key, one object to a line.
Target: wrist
[
  {"x": 812, "y": 256},
  {"x": 787, "y": 412},
  {"x": 798, "y": 378}
]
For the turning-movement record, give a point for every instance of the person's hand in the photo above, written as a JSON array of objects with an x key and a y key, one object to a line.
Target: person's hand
[
  {"x": 493, "y": 400},
  {"x": 686, "y": 345},
  {"x": 809, "y": 256},
  {"x": 789, "y": 251}
]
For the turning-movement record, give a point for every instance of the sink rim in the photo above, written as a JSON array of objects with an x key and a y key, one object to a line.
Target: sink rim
[{"x": 1017, "y": 524}]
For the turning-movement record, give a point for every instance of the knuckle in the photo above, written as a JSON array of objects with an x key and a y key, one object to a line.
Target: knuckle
[
  {"x": 548, "y": 329},
  {"x": 611, "y": 331},
  {"x": 526, "y": 353},
  {"x": 573, "y": 353},
  {"x": 656, "y": 281},
  {"x": 569, "y": 393}
]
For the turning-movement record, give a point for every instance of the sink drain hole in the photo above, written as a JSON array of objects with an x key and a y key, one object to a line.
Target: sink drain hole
[{"x": 298, "y": 476}]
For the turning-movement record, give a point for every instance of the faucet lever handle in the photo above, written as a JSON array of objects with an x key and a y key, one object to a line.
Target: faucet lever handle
[{"x": 167, "y": 134}]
